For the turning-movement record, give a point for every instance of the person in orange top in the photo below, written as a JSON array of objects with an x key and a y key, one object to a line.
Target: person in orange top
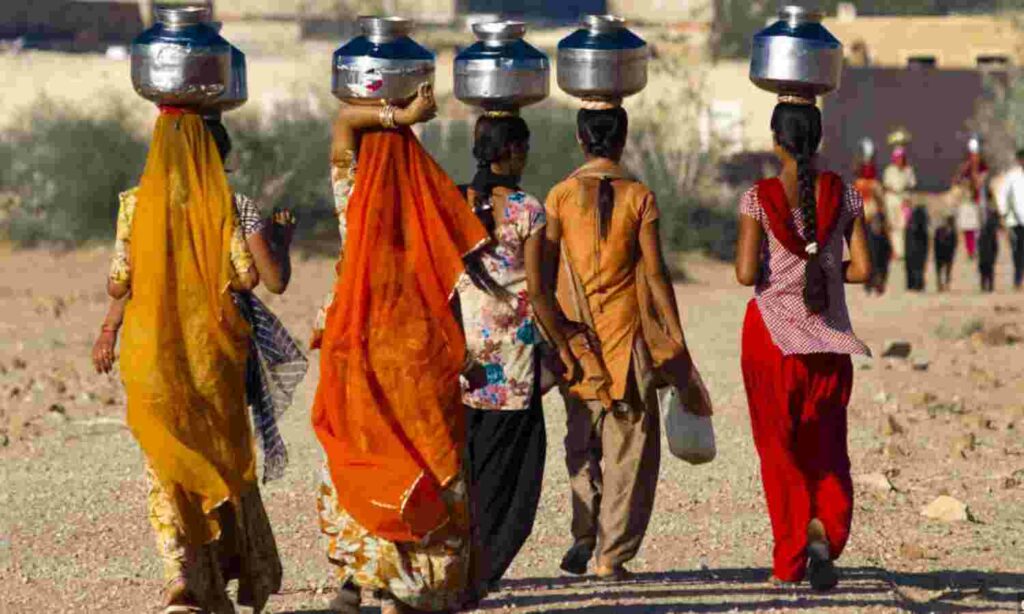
[
  {"x": 603, "y": 226},
  {"x": 388, "y": 409}
]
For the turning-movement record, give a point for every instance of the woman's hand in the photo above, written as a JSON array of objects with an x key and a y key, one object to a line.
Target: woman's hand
[
  {"x": 103, "y": 351},
  {"x": 282, "y": 228},
  {"x": 423, "y": 107},
  {"x": 476, "y": 377},
  {"x": 572, "y": 368}
]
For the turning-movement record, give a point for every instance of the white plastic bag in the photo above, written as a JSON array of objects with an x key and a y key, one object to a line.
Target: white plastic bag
[{"x": 690, "y": 437}]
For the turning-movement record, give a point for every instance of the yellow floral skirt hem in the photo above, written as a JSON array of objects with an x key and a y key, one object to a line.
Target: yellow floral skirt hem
[
  {"x": 246, "y": 551},
  {"x": 430, "y": 576}
]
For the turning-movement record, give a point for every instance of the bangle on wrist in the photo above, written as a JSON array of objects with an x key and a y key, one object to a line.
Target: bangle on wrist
[
  {"x": 387, "y": 117},
  {"x": 106, "y": 328}
]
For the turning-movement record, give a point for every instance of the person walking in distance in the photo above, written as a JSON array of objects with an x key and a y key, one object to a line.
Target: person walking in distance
[{"x": 1011, "y": 209}]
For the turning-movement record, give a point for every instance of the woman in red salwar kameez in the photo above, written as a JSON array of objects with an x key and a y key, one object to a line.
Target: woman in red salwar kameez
[{"x": 797, "y": 342}]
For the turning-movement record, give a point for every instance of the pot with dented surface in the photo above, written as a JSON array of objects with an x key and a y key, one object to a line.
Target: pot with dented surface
[{"x": 382, "y": 65}]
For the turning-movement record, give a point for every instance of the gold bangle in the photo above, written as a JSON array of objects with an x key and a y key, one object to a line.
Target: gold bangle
[{"x": 387, "y": 117}]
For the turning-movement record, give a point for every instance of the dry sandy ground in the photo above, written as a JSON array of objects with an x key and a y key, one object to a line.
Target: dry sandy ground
[{"x": 74, "y": 536}]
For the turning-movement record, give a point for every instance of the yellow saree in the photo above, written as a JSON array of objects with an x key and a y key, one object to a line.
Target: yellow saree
[{"x": 184, "y": 344}]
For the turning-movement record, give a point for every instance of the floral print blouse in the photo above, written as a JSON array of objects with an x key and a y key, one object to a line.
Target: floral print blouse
[{"x": 502, "y": 335}]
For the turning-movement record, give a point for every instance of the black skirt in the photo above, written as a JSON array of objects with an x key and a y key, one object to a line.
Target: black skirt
[{"x": 505, "y": 455}]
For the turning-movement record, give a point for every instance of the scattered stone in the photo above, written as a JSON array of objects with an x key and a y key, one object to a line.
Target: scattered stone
[
  {"x": 863, "y": 363},
  {"x": 897, "y": 349},
  {"x": 894, "y": 449},
  {"x": 57, "y": 408},
  {"x": 875, "y": 481},
  {"x": 19, "y": 364},
  {"x": 964, "y": 445},
  {"x": 921, "y": 364},
  {"x": 920, "y": 399},
  {"x": 893, "y": 427},
  {"x": 999, "y": 335},
  {"x": 947, "y": 509},
  {"x": 14, "y": 392},
  {"x": 882, "y": 398},
  {"x": 913, "y": 552},
  {"x": 955, "y": 407},
  {"x": 4, "y": 440}
]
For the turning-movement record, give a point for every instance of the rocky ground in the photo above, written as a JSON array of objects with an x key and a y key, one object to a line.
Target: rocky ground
[{"x": 945, "y": 422}]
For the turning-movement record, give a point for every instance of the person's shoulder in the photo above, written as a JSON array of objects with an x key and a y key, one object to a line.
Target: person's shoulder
[{"x": 561, "y": 191}]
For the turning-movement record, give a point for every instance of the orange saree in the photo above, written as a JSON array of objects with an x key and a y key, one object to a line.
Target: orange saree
[{"x": 388, "y": 407}]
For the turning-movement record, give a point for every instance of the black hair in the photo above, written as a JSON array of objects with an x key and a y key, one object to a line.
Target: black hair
[
  {"x": 603, "y": 134},
  {"x": 494, "y": 140},
  {"x": 797, "y": 129},
  {"x": 220, "y": 136}
]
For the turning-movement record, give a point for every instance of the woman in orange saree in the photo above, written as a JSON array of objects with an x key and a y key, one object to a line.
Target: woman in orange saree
[
  {"x": 183, "y": 359},
  {"x": 388, "y": 407}
]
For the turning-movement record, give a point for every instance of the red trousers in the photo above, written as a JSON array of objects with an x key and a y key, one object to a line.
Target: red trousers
[{"x": 798, "y": 415}]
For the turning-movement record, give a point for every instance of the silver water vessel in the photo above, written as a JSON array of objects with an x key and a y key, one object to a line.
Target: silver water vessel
[
  {"x": 383, "y": 64},
  {"x": 182, "y": 60},
  {"x": 797, "y": 55},
  {"x": 501, "y": 71},
  {"x": 602, "y": 60}
]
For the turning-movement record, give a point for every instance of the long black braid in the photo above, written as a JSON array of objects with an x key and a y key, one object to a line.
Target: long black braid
[
  {"x": 797, "y": 129},
  {"x": 603, "y": 134},
  {"x": 493, "y": 140}
]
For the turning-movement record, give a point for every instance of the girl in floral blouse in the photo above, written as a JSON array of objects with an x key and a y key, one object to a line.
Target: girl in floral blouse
[{"x": 506, "y": 435}]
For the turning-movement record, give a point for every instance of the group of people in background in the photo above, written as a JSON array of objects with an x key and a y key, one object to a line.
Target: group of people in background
[
  {"x": 455, "y": 309},
  {"x": 898, "y": 229}
]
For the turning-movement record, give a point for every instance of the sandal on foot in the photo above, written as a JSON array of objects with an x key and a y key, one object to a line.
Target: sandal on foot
[
  {"x": 613, "y": 573},
  {"x": 347, "y": 600},
  {"x": 178, "y": 599},
  {"x": 577, "y": 558},
  {"x": 821, "y": 571}
]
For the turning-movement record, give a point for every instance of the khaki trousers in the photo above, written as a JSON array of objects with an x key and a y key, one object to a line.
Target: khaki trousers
[{"x": 613, "y": 458}]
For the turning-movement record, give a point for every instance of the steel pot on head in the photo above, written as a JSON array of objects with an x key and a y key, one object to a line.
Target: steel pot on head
[
  {"x": 237, "y": 93},
  {"x": 602, "y": 60},
  {"x": 181, "y": 60},
  {"x": 382, "y": 65},
  {"x": 797, "y": 55},
  {"x": 501, "y": 71}
]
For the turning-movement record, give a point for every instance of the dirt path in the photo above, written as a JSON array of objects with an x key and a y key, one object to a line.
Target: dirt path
[{"x": 74, "y": 536}]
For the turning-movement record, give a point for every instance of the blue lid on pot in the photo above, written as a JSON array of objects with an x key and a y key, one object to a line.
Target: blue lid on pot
[
  {"x": 181, "y": 60},
  {"x": 383, "y": 63},
  {"x": 501, "y": 71},
  {"x": 603, "y": 60},
  {"x": 797, "y": 55}
]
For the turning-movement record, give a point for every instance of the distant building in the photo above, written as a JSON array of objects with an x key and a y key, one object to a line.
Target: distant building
[
  {"x": 953, "y": 42},
  {"x": 72, "y": 25}
]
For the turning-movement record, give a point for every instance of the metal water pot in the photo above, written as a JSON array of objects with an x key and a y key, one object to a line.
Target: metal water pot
[
  {"x": 237, "y": 93},
  {"x": 181, "y": 60},
  {"x": 797, "y": 55},
  {"x": 501, "y": 71},
  {"x": 603, "y": 60},
  {"x": 383, "y": 64}
]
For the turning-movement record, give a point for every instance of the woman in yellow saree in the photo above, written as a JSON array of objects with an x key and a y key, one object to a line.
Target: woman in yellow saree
[{"x": 183, "y": 360}]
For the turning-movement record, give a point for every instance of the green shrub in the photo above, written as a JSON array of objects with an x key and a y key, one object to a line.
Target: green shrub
[{"x": 62, "y": 171}]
